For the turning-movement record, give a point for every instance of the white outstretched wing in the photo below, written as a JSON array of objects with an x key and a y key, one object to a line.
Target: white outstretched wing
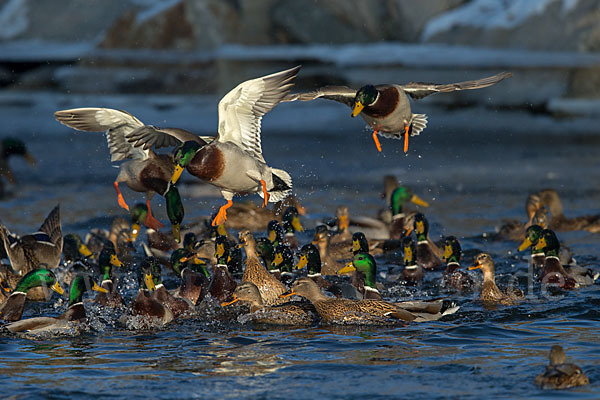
[{"x": 242, "y": 109}]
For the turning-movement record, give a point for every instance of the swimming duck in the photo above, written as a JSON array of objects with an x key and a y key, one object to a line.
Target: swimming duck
[
  {"x": 346, "y": 311},
  {"x": 290, "y": 223},
  {"x": 74, "y": 313},
  {"x": 111, "y": 297},
  {"x": 74, "y": 249},
  {"x": 554, "y": 272},
  {"x": 283, "y": 262},
  {"x": 426, "y": 254},
  {"x": 291, "y": 313},
  {"x": 386, "y": 108},
  {"x": 179, "y": 306},
  {"x": 266, "y": 252},
  {"x": 237, "y": 146},
  {"x": 560, "y": 374},
  {"x": 330, "y": 253},
  {"x": 12, "y": 147},
  {"x": 195, "y": 281},
  {"x": 42, "y": 248},
  {"x": 490, "y": 293},
  {"x": 360, "y": 244},
  {"x": 532, "y": 236},
  {"x": 454, "y": 277},
  {"x": 342, "y": 216},
  {"x": 412, "y": 273},
  {"x": 229, "y": 255},
  {"x": 145, "y": 309},
  {"x": 559, "y": 222},
  {"x": 365, "y": 265},
  {"x": 270, "y": 288},
  {"x": 12, "y": 310},
  {"x": 145, "y": 171},
  {"x": 309, "y": 257},
  {"x": 400, "y": 196}
]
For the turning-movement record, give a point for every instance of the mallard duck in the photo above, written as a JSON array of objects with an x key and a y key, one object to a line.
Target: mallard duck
[
  {"x": 532, "y": 236},
  {"x": 290, "y": 223},
  {"x": 8, "y": 280},
  {"x": 42, "y": 248},
  {"x": 283, "y": 262},
  {"x": 360, "y": 244},
  {"x": 111, "y": 297},
  {"x": 74, "y": 313},
  {"x": 291, "y": 313},
  {"x": 537, "y": 214},
  {"x": 270, "y": 288},
  {"x": 400, "y": 196},
  {"x": 237, "y": 146},
  {"x": 342, "y": 216},
  {"x": 145, "y": 309},
  {"x": 229, "y": 255},
  {"x": 490, "y": 293},
  {"x": 330, "y": 253},
  {"x": 386, "y": 108},
  {"x": 309, "y": 257},
  {"x": 454, "y": 277},
  {"x": 12, "y": 310},
  {"x": 365, "y": 265},
  {"x": 74, "y": 249},
  {"x": 175, "y": 212},
  {"x": 195, "y": 280},
  {"x": 223, "y": 284},
  {"x": 554, "y": 272},
  {"x": 345, "y": 311},
  {"x": 560, "y": 374},
  {"x": 426, "y": 250},
  {"x": 413, "y": 272},
  {"x": 12, "y": 147},
  {"x": 179, "y": 306},
  {"x": 558, "y": 220}
]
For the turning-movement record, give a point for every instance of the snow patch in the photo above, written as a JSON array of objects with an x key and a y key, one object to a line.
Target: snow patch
[
  {"x": 13, "y": 19},
  {"x": 491, "y": 14}
]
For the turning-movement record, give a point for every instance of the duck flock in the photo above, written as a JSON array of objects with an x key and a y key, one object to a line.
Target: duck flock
[{"x": 271, "y": 280}]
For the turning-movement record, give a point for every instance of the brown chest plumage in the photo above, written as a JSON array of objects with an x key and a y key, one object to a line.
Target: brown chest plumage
[
  {"x": 208, "y": 164},
  {"x": 156, "y": 177},
  {"x": 385, "y": 104}
]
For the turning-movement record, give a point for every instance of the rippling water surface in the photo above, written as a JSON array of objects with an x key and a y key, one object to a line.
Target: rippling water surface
[{"x": 473, "y": 179}]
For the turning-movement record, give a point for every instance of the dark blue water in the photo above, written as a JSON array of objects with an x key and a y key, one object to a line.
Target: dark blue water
[{"x": 473, "y": 179}]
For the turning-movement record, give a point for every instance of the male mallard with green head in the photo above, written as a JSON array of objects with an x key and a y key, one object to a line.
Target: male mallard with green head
[
  {"x": 74, "y": 249},
  {"x": 179, "y": 306},
  {"x": 13, "y": 307},
  {"x": 144, "y": 171},
  {"x": 426, "y": 254},
  {"x": 290, "y": 222},
  {"x": 490, "y": 293},
  {"x": 12, "y": 147},
  {"x": 291, "y": 313},
  {"x": 74, "y": 313},
  {"x": 283, "y": 263},
  {"x": 107, "y": 260},
  {"x": 309, "y": 257},
  {"x": 234, "y": 162},
  {"x": 532, "y": 236},
  {"x": 412, "y": 273},
  {"x": 270, "y": 288},
  {"x": 365, "y": 267},
  {"x": 560, "y": 374},
  {"x": 195, "y": 279},
  {"x": 400, "y": 196},
  {"x": 386, "y": 108},
  {"x": 454, "y": 277}
]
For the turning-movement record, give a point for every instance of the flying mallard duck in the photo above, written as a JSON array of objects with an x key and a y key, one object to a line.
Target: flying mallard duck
[
  {"x": 560, "y": 374},
  {"x": 233, "y": 162},
  {"x": 490, "y": 293},
  {"x": 291, "y": 313},
  {"x": 13, "y": 307},
  {"x": 386, "y": 108},
  {"x": 40, "y": 249},
  {"x": 74, "y": 314},
  {"x": 454, "y": 277},
  {"x": 145, "y": 171}
]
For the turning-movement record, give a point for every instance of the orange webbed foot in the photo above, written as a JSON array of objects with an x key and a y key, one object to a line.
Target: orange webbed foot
[
  {"x": 406, "y": 139},
  {"x": 120, "y": 198},
  {"x": 266, "y": 194},
  {"x": 376, "y": 140},
  {"x": 221, "y": 216}
]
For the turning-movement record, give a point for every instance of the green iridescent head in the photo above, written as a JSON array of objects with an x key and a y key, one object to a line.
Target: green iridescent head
[
  {"x": 183, "y": 258},
  {"x": 291, "y": 220},
  {"x": 40, "y": 277},
  {"x": 532, "y": 237},
  {"x": 283, "y": 259},
  {"x": 185, "y": 153},
  {"x": 366, "y": 96},
  {"x": 452, "y": 250},
  {"x": 74, "y": 248},
  {"x": 365, "y": 264},
  {"x": 108, "y": 259},
  {"x": 548, "y": 243},
  {"x": 402, "y": 195},
  {"x": 81, "y": 284},
  {"x": 222, "y": 249},
  {"x": 275, "y": 232},
  {"x": 309, "y": 257},
  {"x": 174, "y": 211},
  {"x": 359, "y": 243},
  {"x": 409, "y": 249},
  {"x": 151, "y": 274}
]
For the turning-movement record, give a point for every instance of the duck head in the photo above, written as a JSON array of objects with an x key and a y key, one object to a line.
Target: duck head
[
  {"x": 364, "y": 263},
  {"x": 74, "y": 248},
  {"x": 421, "y": 227},
  {"x": 108, "y": 259},
  {"x": 283, "y": 258},
  {"x": 275, "y": 232},
  {"x": 359, "y": 243},
  {"x": 452, "y": 250},
  {"x": 246, "y": 292},
  {"x": 307, "y": 288},
  {"x": 40, "y": 277},
  {"x": 532, "y": 237},
  {"x": 557, "y": 355},
  {"x": 138, "y": 216},
  {"x": 410, "y": 251},
  {"x": 548, "y": 243},
  {"x": 183, "y": 156},
  {"x": 310, "y": 258},
  {"x": 80, "y": 285},
  {"x": 400, "y": 196},
  {"x": 484, "y": 262},
  {"x": 366, "y": 96},
  {"x": 291, "y": 220}
]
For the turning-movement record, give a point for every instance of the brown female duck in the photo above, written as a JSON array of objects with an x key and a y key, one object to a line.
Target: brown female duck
[
  {"x": 560, "y": 374},
  {"x": 490, "y": 293}
]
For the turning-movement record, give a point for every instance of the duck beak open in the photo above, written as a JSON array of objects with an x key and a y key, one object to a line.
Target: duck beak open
[
  {"x": 135, "y": 230},
  {"x": 228, "y": 303},
  {"x": 287, "y": 294},
  {"x": 297, "y": 225},
  {"x": 114, "y": 260},
  {"x": 56, "y": 287},
  {"x": 175, "y": 228},
  {"x": 302, "y": 262},
  {"x": 97, "y": 288},
  {"x": 149, "y": 282},
  {"x": 84, "y": 251},
  {"x": 474, "y": 266},
  {"x": 419, "y": 201},
  {"x": 358, "y": 107},
  {"x": 348, "y": 268},
  {"x": 176, "y": 174},
  {"x": 526, "y": 243}
]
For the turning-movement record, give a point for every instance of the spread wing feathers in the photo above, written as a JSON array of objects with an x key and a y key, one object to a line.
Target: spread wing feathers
[
  {"x": 116, "y": 123},
  {"x": 148, "y": 136},
  {"x": 341, "y": 94},
  {"x": 52, "y": 228},
  {"x": 242, "y": 109},
  {"x": 418, "y": 90}
]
